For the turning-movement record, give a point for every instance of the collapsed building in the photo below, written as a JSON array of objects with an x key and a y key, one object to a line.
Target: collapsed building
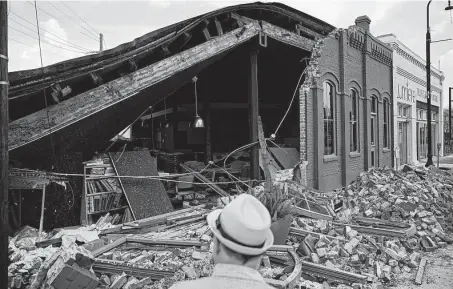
[
  {"x": 197, "y": 97},
  {"x": 319, "y": 96}
]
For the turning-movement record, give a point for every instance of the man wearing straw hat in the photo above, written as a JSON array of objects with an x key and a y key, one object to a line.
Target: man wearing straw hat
[{"x": 241, "y": 237}]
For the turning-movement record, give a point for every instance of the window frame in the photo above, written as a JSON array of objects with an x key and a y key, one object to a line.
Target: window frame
[
  {"x": 354, "y": 120},
  {"x": 386, "y": 124},
  {"x": 332, "y": 119},
  {"x": 374, "y": 120}
]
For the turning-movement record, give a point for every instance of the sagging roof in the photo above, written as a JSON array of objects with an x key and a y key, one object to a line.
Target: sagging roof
[
  {"x": 88, "y": 93},
  {"x": 27, "y": 81}
]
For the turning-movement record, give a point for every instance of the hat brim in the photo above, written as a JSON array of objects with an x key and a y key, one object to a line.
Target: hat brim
[{"x": 212, "y": 218}]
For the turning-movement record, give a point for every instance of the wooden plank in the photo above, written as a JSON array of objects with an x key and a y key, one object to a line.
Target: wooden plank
[
  {"x": 109, "y": 247},
  {"x": 163, "y": 218},
  {"x": 380, "y": 231},
  {"x": 334, "y": 274},
  {"x": 301, "y": 232},
  {"x": 46, "y": 243},
  {"x": 168, "y": 242},
  {"x": 310, "y": 214},
  {"x": 287, "y": 37},
  {"x": 307, "y": 31},
  {"x": 199, "y": 176},
  {"x": 35, "y": 126},
  {"x": 254, "y": 116},
  {"x": 41, "y": 219},
  {"x": 421, "y": 271},
  {"x": 112, "y": 161}
]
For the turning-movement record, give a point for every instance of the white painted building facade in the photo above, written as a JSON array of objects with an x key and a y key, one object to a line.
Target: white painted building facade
[{"x": 410, "y": 104}]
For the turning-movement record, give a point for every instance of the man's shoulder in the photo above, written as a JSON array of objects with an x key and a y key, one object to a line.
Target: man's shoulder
[
  {"x": 195, "y": 284},
  {"x": 210, "y": 283}
]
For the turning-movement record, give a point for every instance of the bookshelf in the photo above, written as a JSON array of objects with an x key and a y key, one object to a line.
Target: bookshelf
[{"x": 103, "y": 193}]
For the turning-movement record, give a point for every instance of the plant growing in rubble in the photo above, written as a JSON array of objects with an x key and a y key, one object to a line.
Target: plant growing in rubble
[{"x": 277, "y": 200}]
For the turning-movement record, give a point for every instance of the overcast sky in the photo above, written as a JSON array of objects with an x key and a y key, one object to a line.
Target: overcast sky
[{"x": 78, "y": 22}]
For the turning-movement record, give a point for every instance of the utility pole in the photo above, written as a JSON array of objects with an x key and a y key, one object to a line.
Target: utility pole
[
  {"x": 101, "y": 42},
  {"x": 449, "y": 116},
  {"x": 4, "y": 122},
  {"x": 429, "y": 161}
]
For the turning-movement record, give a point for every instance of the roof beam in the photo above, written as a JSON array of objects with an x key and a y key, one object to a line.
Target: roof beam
[{"x": 36, "y": 126}]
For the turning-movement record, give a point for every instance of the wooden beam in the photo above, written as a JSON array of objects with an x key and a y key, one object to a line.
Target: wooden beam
[
  {"x": 4, "y": 156},
  {"x": 301, "y": 30},
  {"x": 35, "y": 126},
  {"x": 132, "y": 65},
  {"x": 287, "y": 37},
  {"x": 254, "y": 115},
  {"x": 311, "y": 214},
  {"x": 218, "y": 26},
  {"x": 97, "y": 79},
  {"x": 206, "y": 33},
  {"x": 165, "y": 51},
  {"x": 186, "y": 38},
  {"x": 109, "y": 247},
  {"x": 421, "y": 271}
]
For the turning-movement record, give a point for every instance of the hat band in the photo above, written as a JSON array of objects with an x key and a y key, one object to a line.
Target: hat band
[{"x": 228, "y": 237}]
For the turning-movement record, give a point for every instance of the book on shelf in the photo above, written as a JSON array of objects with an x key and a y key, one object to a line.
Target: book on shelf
[{"x": 104, "y": 194}]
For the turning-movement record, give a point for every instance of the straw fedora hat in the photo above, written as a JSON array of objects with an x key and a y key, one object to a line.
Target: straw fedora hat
[{"x": 243, "y": 226}]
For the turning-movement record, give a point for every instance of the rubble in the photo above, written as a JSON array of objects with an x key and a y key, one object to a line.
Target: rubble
[{"x": 378, "y": 227}]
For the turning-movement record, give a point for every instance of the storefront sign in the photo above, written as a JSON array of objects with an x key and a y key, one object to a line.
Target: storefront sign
[
  {"x": 405, "y": 93},
  {"x": 408, "y": 94}
]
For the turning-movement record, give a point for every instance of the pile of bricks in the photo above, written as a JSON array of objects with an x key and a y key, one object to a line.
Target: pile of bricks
[
  {"x": 377, "y": 257},
  {"x": 419, "y": 196},
  {"x": 68, "y": 266}
]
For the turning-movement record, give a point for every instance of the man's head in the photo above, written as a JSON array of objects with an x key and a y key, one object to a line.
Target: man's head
[{"x": 241, "y": 232}]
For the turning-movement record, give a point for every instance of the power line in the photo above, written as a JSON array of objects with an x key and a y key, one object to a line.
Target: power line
[
  {"x": 72, "y": 44},
  {"x": 71, "y": 18},
  {"x": 44, "y": 89},
  {"x": 60, "y": 20},
  {"x": 97, "y": 33},
  {"x": 9, "y": 38},
  {"x": 45, "y": 41},
  {"x": 23, "y": 43}
]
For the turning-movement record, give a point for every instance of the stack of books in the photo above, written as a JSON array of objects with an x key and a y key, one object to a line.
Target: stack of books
[{"x": 103, "y": 193}]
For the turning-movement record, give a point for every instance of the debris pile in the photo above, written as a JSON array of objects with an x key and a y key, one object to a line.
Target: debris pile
[
  {"x": 35, "y": 266},
  {"x": 363, "y": 235},
  {"x": 413, "y": 196}
]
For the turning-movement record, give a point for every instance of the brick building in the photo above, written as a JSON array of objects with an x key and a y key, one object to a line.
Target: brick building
[
  {"x": 410, "y": 104},
  {"x": 234, "y": 66},
  {"x": 348, "y": 124}
]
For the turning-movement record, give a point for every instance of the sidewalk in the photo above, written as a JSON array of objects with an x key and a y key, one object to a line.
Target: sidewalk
[{"x": 444, "y": 162}]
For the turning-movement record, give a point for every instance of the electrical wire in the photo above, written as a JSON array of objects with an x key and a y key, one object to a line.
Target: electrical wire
[
  {"x": 59, "y": 20},
  {"x": 44, "y": 90},
  {"x": 20, "y": 42},
  {"x": 59, "y": 42},
  {"x": 20, "y": 31},
  {"x": 230, "y": 175},
  {"x": 72, "y": 44},
  {"x": 97, "y": 33},
  {"x": 69, "y": 17},
  {"x": 158, "y": 178},
  {"x": 291, "y": 102}
]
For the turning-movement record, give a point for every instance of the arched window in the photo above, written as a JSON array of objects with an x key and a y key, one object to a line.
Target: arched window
[
  {"x": 386, "y": 124},
  {"x": 353, "y": 121},
  {"x": 374, "y": 129},
  {"x": 329, "y": 118}
]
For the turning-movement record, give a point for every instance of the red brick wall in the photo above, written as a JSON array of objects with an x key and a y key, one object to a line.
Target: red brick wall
[{"x": 342, "y": 64}]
